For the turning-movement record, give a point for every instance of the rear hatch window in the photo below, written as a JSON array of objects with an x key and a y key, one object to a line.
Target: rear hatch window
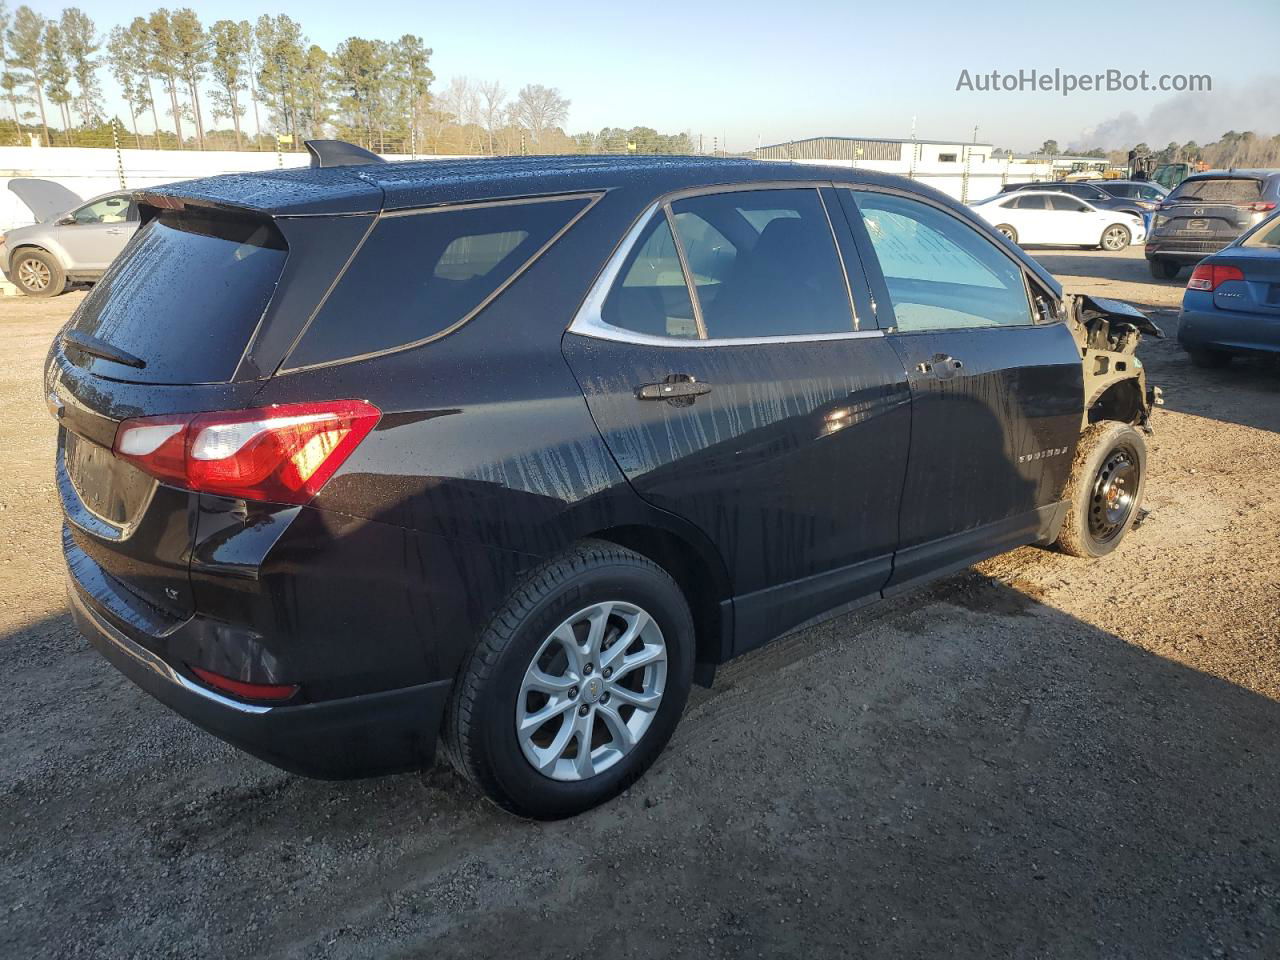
[
  {"x": 185, "y": 298},
  {"x": 1219, "y": 190},
  {"x": 430, "y": 271}
]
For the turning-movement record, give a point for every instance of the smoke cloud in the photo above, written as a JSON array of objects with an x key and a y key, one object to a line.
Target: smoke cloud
[{"x": 1202, "y": 117}]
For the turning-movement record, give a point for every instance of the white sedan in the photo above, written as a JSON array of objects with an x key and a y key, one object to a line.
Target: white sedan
[{"x": 1051, "y": 217}]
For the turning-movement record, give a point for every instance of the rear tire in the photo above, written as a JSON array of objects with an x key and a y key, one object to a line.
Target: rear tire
[
  {"x": 37, "y": 273},
  {"x": 1104, "y": 493},
  {"x": 537, "y": 645},
  {"x": 1163, "y": 269},
  {"x": 1008, "y": 232},
  {"x": 1209, "y": 359},
  {"x": 1115, "y": 238}
]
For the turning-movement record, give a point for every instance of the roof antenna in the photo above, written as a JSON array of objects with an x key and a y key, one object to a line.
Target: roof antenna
[{"x": 339, "y": 153}]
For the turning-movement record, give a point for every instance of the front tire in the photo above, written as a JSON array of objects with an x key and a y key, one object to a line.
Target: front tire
[
  {"x": 1116, "y": 237},
  {"x": 1007, "y": 232},
  {"x": 575, "y": 686},
  {"x": 37, "y": 273},
  {"x": 1104, "y": 492}
]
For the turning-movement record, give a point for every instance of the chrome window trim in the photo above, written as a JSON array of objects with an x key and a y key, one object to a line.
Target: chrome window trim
[{"x": 589, "y": 320}]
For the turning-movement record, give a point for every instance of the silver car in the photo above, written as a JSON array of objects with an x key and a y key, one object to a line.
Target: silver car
[{"x": 72, "y": 241}]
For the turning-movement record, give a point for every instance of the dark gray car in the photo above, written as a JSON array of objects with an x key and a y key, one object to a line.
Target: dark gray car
[{"x": 1204, "y": 213}]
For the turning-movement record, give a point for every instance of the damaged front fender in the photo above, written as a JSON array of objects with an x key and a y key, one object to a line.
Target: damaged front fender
[{"x": 1115, "y": 382}]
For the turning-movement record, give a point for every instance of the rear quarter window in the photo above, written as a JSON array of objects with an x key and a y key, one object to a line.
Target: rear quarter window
[{"x": 429, "y": 271}]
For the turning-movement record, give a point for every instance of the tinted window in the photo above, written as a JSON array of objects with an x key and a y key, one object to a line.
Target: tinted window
[
  {"x": 429, "y": 271},
  {"x": 1234, "y": 190},
  {"x": 1035, "y": 202},
  {"x": 1067, "y": 204},
  {"x": 652, "y": 297},
  {"x": 764, "y": 263},
  {"x": 941, "y": 273},
  {"x": 186, "y": 296}
]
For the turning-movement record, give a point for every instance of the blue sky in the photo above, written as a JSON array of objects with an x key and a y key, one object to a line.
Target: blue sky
[{"x": 747, "y": 71}]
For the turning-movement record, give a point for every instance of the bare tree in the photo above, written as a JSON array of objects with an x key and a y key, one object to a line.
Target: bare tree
[
  {"x": 461, "y": 101},
  {"x": 539, "y": 109},
  {"x": 493, "y": 99}
]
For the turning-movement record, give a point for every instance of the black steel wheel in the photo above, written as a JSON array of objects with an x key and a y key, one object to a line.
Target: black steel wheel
[{"x": 1104, "y": 492}]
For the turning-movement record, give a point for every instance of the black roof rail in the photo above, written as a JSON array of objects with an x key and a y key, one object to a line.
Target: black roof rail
[{"x": 339, "y": 153}]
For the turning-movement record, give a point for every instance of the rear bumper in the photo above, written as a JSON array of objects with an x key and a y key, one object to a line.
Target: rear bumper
[
  {"x": 366, "y": 735},
  {"x": 1228, "y": 331},
  {"x": 1183, "y": 251}
]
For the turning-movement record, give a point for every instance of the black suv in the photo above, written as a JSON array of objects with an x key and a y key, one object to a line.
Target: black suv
[
  {"x": 1100, "y": 198},
  {"x": 510, "y": 452},
  {"x": 1204, "y": 213}
]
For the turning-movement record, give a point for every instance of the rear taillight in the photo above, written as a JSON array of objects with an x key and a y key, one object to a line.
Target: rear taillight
[
  {"x": 281, "y": 454},
  {"x": 1210, "y": 276},
  {"x": 1262, "y": 206}
]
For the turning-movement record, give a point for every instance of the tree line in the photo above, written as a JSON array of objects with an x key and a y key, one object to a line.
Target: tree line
[
  {"x": 1232, "y": 149},
  {"x": 175, "y": 74}
]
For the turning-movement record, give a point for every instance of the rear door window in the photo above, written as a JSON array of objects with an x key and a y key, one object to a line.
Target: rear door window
[
  {"x": 185, "y": 297},
  {"x": 1223, "y": 190},
  {"x": 652, "y": 297},
  {"x": 941, "y": 273},
  {"x": 432, "y": 270},
  {"x": 764, "y": 263}
]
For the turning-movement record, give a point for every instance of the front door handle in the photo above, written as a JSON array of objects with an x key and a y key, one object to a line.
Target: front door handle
[
  {"x": 680, "y": 388},
  {"x": 941, "y": 365}
]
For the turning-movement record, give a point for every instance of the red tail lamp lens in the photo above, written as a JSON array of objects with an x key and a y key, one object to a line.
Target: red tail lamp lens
[
  {"x": 281, "y": 454},
  {"x": 1211, "y": 276},
  {"x": 243, "y": 690}
]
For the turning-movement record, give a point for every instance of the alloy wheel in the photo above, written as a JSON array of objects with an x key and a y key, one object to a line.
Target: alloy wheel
[
  {"x": 33, "y": 275},
  {"x": 1115, "y": 238},
  {"x": 591, "y": 691}
]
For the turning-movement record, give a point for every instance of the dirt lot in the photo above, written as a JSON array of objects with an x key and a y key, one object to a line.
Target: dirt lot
[{"x": 1041, "y": 757}]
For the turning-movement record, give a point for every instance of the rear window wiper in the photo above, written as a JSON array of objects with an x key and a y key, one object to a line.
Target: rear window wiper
[{"x": 100, "y": 348}]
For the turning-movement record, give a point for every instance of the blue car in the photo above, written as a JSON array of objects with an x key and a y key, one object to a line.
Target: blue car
[{"x": 1232, "y": 302}]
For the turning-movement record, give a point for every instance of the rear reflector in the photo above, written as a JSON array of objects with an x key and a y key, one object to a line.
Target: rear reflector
[
  {"x": 281, "y": 454},
  {"x": 1210, "y": 276},
  {"x": 243, "y": 690}
]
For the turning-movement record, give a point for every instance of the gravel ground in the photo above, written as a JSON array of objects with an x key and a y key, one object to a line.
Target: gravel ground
[{"x": 1040, "y": 757}]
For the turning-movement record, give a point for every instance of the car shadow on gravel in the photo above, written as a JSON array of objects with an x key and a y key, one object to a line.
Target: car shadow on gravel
[{"x": 963, "y": 771}]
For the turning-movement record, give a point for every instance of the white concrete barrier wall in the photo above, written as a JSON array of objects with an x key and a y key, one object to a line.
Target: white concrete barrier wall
[{"x": 87, "y": 171}]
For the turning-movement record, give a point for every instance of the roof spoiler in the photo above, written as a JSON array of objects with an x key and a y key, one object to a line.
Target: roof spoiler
[{"x": 339, "y": 153}]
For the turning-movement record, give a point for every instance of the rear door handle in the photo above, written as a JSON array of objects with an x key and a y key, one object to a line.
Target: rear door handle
[
  {"x": 941, "y": 365},
  {"x": 678, "y": 387}
]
